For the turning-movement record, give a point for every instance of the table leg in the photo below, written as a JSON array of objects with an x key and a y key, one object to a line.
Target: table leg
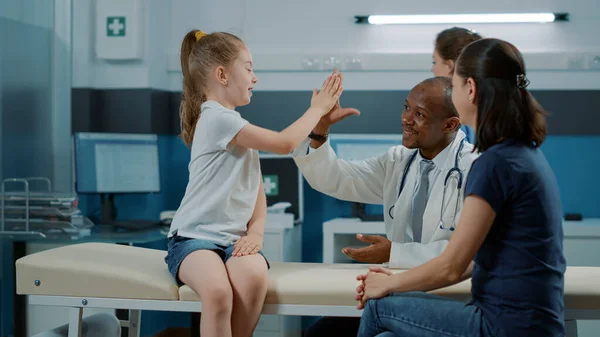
[
  {"x": 195, "y": 324},
  {"x": 19, "y": 301}
]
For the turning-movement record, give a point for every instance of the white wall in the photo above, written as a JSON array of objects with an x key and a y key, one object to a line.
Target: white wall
[
  {"x": 273, "y": 28},
  {"x": 207, "y": 15},
  {"x": 82, "y": 39},
  {"x": 148, "y": 72},
  {"x": 281, "y": 34},
  {"x": 158, "y": 22}
]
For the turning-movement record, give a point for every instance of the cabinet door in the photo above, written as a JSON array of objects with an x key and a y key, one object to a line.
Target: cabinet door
[{"x": 272, "y": 246}]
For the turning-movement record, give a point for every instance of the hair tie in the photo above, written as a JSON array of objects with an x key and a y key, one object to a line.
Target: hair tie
[
  {"x": 522, "y": 81},
  {"x": 200, "y": 34}
]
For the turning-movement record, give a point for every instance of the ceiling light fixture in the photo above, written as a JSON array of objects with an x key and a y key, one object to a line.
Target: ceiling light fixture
[{"x": 462, "y": 18}]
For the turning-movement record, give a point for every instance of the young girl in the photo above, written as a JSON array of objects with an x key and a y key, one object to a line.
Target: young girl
[
  {"x": 217, "y": 233},
  {"x": 509, "y": 238}
]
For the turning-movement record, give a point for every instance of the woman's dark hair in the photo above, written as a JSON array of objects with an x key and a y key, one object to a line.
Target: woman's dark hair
[
  {"x": 505, "y": 108},
  {"x": 450, "y": 42}
]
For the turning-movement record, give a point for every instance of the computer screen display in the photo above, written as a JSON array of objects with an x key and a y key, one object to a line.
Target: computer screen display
[
  {"x": 362, "y": 146},
  {"x": 357, "y": 147},
  {"x": 116, "y": 163}
]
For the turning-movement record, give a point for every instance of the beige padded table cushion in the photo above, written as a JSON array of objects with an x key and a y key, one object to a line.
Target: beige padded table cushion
[
  {"x": 320, "y": 284},
  {"x": 335, "y": 284},
  {"x": 97, "y": 270},
  {"x": 582, "y": 288},
  {"x": 115, "y": 271}
]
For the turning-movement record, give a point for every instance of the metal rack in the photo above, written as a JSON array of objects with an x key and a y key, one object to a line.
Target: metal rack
[{"x": 27, "y": 213}]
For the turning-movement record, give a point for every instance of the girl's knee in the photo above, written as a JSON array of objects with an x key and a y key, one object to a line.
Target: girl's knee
[
  {"x": 218, "y": 296},
  {"x": 254, "y": 270},
  {"x": 257, "y": 278}
]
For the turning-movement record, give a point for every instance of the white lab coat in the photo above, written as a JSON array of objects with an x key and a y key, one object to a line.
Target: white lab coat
[{"x": 377, "y": 181}]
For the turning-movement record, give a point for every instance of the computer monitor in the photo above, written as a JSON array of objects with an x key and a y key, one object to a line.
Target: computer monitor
[
  {"x": 360, "y": 147},
  {"x": 111, "y": 163},
  {"x": 363, "y": 146}
]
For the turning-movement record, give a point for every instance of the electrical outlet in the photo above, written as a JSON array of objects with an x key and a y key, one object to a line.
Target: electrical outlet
[
  {"x": 576, "y": 61},
  {"x": 331, "y": 62},
  {"x": 352, "y": 63},
  {"x": 311, "y": 63},
  {"x": 595, "y": 62}
]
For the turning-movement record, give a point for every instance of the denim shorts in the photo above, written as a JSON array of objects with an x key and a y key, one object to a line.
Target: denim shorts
[{"x": 179, "y": 247}]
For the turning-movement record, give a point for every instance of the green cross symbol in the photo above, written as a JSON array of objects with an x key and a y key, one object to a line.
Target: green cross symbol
[
  {"x": 115, "y": 26},
  {"x": 271, "y": 185}
]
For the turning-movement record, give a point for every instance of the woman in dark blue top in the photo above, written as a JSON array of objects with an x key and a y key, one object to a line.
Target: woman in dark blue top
[{"x": 509, "y": 238}]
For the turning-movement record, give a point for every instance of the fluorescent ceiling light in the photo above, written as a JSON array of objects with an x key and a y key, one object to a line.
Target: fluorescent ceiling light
[{"x": 463, "y": 18}]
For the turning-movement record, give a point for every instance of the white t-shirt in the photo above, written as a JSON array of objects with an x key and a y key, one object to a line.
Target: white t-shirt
[{"x": 223, "y": 180}]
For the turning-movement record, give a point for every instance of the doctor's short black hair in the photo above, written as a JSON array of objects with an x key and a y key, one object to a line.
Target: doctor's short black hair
[{"x": 446, "y": 84}]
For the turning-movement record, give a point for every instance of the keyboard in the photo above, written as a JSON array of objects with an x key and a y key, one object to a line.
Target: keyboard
[{"x": 371, "y": 217}]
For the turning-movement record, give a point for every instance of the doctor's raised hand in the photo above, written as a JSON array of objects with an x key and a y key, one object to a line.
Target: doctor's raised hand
[{"x": 336, "y": 114}]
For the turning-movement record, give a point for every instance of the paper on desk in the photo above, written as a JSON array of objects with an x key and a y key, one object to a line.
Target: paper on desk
[{"x": 279, "y": 207}]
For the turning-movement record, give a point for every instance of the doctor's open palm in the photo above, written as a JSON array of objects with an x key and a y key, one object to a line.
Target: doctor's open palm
[
  {"x": 336, "y": 114},
  {"x": 378, "y": 250}
]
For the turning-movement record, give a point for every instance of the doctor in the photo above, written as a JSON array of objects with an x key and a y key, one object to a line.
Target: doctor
[{"x": 410, "y": 180}]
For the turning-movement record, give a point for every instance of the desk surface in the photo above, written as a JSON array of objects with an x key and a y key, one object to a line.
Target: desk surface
[
  {"x": 585, "y": 228},
  {"x": 99, "y": 233},
  {"x": 107, "y": 233}
]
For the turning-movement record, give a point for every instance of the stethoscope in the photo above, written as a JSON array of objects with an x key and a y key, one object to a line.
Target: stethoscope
[{"x": 453, "y": 172}]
